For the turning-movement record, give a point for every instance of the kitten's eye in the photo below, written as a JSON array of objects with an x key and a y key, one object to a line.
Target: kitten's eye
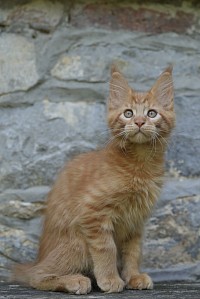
[
  {"x": 128, "y": 113},
  {"x": 152, "y": 113}
]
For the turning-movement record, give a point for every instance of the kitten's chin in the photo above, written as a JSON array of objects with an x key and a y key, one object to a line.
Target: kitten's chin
[{"x": 138, "y": 138}]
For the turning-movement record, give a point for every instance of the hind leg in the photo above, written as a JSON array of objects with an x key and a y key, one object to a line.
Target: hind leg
[
  {"x": 75, "y": 283},
  {"x": 61, "y": 269},
  {"x": 55, "y": 273}
]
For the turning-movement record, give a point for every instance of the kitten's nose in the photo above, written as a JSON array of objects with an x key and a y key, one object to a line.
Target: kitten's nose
[{"x": 139, "y": 121}]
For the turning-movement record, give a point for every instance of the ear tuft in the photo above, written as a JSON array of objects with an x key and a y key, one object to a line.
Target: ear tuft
[
  {"x": 169, "y": 69},
  {"x": 163, "y": 89},
  {"x": 114, "y": 69}
]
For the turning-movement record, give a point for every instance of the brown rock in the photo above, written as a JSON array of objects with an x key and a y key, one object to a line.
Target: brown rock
[{"x": 136, "y": 18}]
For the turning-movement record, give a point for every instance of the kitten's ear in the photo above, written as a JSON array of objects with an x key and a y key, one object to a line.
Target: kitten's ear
[
  {"x": 163, "y": 89},
  {"x": 119, "y": 88}
]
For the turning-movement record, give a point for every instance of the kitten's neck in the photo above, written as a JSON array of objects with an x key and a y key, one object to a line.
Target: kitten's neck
[{"x": 139, "y": 151}]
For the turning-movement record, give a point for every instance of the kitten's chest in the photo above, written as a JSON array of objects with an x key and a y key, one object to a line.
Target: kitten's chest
[
  {"x": 135, "y": 204},
  {"x": 130, "y": 214}
]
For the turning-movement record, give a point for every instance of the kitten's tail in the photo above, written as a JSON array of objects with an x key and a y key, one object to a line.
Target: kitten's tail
[{"x": 21, "y": 273}]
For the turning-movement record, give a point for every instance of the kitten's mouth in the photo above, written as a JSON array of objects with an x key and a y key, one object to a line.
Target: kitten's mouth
[
  {"x": 139, "y": 136},
  {"x": 140, "y": 132}
]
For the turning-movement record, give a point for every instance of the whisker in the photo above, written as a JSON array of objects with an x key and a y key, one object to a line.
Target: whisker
[
  {"x": 114, "y": 138},
  {"x": 110, "y": 131},
  {"x": 153, "y": 149},
  {"x": 122, "y": 144},
  {"x": 160, "y": 136},
  {"x": 157, "y": 138}
]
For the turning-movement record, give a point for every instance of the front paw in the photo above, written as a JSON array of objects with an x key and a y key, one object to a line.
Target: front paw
[
  {"x": 140, "y": 282},
  {"x": 111, "y": 285}
]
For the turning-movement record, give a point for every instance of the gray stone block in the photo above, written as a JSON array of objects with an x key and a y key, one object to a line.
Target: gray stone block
[
  {"x": 41, "y": 15},
  {"x": 18, "y": 64},
  {"x": 37, "y": 140}
]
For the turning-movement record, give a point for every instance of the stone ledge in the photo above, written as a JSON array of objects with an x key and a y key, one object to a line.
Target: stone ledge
[{"x": 183, "y": 290}]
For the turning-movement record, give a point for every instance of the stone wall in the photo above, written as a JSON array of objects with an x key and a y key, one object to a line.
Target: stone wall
[{"x": 54, "y": 70}]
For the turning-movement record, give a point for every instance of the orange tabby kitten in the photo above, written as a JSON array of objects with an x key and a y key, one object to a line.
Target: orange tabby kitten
[{"x": 98, "y": 206}]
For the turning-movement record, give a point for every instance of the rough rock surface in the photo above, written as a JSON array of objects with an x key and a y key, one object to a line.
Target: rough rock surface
[
  {"x": 161, "y": 290},
  {"x": 54, "y": 69}
]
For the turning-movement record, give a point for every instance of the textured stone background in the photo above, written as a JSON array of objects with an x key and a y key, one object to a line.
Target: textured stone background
[{"x": 54, "y": 68}]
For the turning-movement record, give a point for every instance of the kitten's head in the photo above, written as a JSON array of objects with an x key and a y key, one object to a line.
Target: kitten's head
[{"x": 141, "y": 117}]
